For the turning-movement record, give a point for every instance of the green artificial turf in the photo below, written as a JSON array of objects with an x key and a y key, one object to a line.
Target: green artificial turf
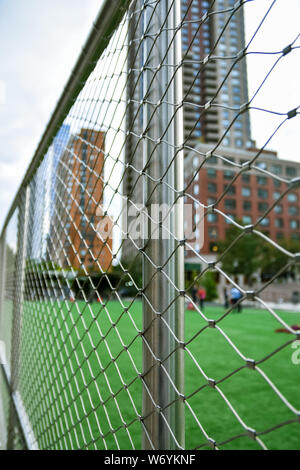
[
  {"x": 253, "y": 333},
  {"x": 71, "y": 388}
]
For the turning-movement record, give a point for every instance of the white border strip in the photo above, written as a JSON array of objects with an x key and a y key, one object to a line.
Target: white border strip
[{"x": 23, "y": 418}]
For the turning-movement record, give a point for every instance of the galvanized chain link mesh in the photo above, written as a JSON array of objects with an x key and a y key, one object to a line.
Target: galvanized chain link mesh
[
  {"x": 243, "y": 369},
  {"x": 110, "y": 348}
]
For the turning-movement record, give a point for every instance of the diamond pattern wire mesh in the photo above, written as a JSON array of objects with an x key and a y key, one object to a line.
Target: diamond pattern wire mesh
[
  {"x": 237, "y": 371},
  {"x": 94, "y": 293}
]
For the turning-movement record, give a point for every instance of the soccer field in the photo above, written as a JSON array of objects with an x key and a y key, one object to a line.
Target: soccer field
[{"x": 71, "y": 387}]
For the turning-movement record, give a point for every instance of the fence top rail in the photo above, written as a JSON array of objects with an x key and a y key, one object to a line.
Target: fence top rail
[{"x": 108, "y": 19}]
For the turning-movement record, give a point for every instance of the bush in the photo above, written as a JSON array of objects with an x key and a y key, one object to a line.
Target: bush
[{"x": 209, "y": 283}]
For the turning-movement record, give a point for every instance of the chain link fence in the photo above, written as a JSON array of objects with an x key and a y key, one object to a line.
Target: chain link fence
[{"x": 147, "y": 200}]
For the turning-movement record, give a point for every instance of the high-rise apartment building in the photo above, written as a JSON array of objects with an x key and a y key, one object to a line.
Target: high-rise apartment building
[
  {"x": 214, "y": 86},
  {"x": 42, "y": 194},
  {"x": 78, "y": 204},
  {"x": 212, "y": 39}
]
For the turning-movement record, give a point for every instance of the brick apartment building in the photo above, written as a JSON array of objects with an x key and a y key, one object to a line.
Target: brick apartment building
[
  {"x": 200, "y": 84},
  {"x": 79, "y": 201},
  {"x": 248, "y": 198}
]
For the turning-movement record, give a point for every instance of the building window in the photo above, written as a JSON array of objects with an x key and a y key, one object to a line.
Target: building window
[
  {"x": 276, "y": 169},
  {"x": 261, "y": 180},
  {"x": 262, "y": 206},
  {"x": 238, "y": 125},
  {"x": 262, "y": 194},
  {"x": 262, "y": 165},
  {"x": 247, "y": 219},
  {"x": 196, "y": 189},
  {"x": 277, "y": 183},
  {"x": 247, "y": 205},
  {"x": 211, "y": 173},
  {"x": 212, "y": 232},
  {"x": 278, "y": 209},
  {"x": 210, "y": 201},
  {"x": 230, "y": 204},
  {"x": 245, "y": 178},
  {"x": 230, "y": 217},
  {"x": 294, "y": 224},
  {"x": 276, "y": 195},
  {"x": 212, "y": 218},
  {"x": 228, "y": 174},
  {"x": 246, "y": 192},
  {"x": 265, "y": 222},
  {"x": 293, "y": 210},
  {"x": 230, "y": 189},
  {"x": 212, "y": 187},
  {"x": 279, "y": 223},
  {"x": 292, "y": 197},
  {"x": 291, "y": 171}
]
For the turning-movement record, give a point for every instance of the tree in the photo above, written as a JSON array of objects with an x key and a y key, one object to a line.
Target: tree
[
  {"x": 274, "y": 260},
  {"x": 251, "y": 254},
  {"x": 134, "y": 269},
  {"x": 208, "y": 281},
  {"x": 244, "y": 257}
]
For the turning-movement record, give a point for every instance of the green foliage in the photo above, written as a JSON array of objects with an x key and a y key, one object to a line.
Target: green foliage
[
  {"x": 273, "y": 260},
  {"x": 133, "y": 275},
  {"x": 209, "y": 283},
  {"x": 244, "y": 255},
  {"x": 249, "y": 254},
  {"x": 44, "y": 266}
]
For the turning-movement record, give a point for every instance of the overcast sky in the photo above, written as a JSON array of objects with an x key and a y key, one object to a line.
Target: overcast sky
[{"x": 40, "y": 42}]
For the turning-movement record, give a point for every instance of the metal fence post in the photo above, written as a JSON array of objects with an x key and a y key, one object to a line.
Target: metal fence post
[
  {"x": 163, "y": 265},
  {"x": 17, "y": 308}
]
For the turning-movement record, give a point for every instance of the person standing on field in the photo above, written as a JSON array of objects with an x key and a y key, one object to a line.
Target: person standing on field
[
  {"x": 201, "y": 294},
  {"x": 226, "y": 302},
  {"x": 194, "y": 293},
  {"x": 235, "y": 297}
]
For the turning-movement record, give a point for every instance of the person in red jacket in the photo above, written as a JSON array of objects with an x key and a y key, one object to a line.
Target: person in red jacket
[{"x": 201, "y": 294}]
